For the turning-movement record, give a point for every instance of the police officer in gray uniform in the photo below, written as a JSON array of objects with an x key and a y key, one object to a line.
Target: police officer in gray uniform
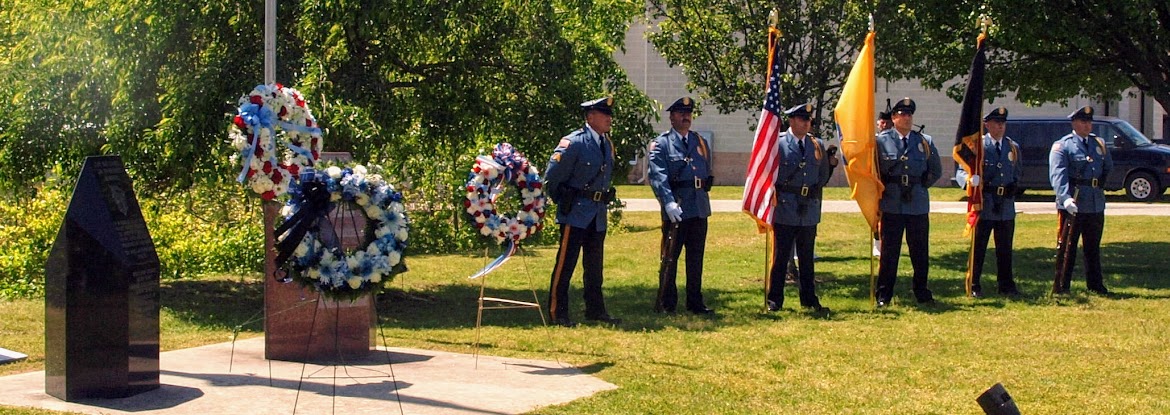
[
  {"x": 1077, "y": 167},
  {"x": 1001, "y": 173},
  {"x": 908, "y": 163},
  {"x": 680, "y": 174},
  {"x": 578, "y": 181},
  {"x": 805, "y": 167}
]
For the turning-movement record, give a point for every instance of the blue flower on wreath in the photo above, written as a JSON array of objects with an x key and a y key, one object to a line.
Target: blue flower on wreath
[
  {"x": 486, "y": 181},
  {"x": 332, "y": 271}
]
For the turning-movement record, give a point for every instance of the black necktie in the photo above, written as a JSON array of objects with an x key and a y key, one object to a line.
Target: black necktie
[
  {"x": 905, "y": 142},
  {"x": 684, "y": 141},
  {"x": 801, "y": 144},
  {"x": 997, "y": 149},
  {"x": 604, "y": 151}
]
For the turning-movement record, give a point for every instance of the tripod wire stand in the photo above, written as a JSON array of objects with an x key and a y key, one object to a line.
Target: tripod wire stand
[{"x": 504, "y": 303}]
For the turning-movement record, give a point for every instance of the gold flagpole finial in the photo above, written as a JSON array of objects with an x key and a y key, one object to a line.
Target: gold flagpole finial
[
  {"x": 871, "y": 22},
  {"x": 774, "y": 18},
  {"x": 984, "y": 23}
]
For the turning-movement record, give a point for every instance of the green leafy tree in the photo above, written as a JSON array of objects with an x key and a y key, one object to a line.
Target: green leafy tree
[
  {"x": 418, "y": 86},
  {"x": 1042, "y": 50},
  {"x": 148, "y": 80},
  {"x": 424, "y": 91},
  {"x": 158, "y": 81},
  {"x": 721, "y": 46}
]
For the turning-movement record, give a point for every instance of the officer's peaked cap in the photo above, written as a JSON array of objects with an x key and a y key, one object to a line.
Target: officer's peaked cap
[
  {"x": 1084, "y": 113},
  {"x": 684, "y": 104},
  {"x": 602, "y": 105},
  {"x": 802, "y": 110},
  {"x": 904, "y": 105},
  {"x": 998, "y": 114}
]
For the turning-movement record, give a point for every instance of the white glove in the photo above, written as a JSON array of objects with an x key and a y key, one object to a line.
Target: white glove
[
  {"x": 673, "y": 212},
  {"x": 1070, "y": 205},
  {"x": 877, "y": 248},
  {"x": 975, "y": 180}
]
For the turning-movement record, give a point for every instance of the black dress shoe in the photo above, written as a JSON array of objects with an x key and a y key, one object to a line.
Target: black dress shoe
[
  {"x": 924, "y": 298},
  {"x": 701, "y": 310},
  {"x": 663, "y": 309},
  {"x": 605, "y": 318},
  {"x": 564, "y": 322},
  {"x": 816, "y": 308},
  {"x": 1101, "y": 290},
  {"x": 774, "y": 306},
  {"x": 882, "y": 304}
]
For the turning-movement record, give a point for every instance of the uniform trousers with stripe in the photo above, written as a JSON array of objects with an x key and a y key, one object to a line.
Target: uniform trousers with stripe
[
  {"x": 692, "y": 234},
  {"x": 588, "y": 244},
  {"x": 1004, "y": 231},
  {"x": 916, "y": 229},
  {"x": 785, "y": 237},
  {"x": 1087, "y": 227}
]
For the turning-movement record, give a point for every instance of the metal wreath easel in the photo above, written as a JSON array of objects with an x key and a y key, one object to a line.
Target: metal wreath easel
[
  {"x": 496, "y": 303},
  {"x": 344, "y": 218}
]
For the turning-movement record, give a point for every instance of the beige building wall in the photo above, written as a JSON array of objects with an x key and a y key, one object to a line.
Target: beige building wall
[{"x": 731, "y": 135}]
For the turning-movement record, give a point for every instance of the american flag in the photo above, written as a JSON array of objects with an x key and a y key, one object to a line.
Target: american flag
[{"x": 758, "y": 191}]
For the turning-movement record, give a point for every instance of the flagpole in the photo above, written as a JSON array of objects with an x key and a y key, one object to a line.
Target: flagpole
[
  {"x": 773, "y": 37},
  {"x": 976, "y": 191}
]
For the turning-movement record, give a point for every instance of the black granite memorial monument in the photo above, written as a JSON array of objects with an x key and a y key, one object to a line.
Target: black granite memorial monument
[{"x": 101, "y": 292}]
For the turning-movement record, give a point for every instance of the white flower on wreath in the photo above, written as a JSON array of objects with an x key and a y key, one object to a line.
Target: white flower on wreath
[
  {"x": 366, "y": 268},
  {"x": 486, "y": 185},
  {"x": 284, "y": 109}
]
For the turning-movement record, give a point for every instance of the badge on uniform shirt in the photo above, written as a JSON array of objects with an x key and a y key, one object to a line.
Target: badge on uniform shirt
[{"x": 1089, "y": 159}]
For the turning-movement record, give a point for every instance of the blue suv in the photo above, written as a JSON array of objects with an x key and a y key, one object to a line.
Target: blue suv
[{"x": 1140, "y": 167}]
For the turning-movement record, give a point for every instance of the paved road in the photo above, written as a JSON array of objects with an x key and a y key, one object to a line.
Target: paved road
[{"x": 1149, "y": 209}]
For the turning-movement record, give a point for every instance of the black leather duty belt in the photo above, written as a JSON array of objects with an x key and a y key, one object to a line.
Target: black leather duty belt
[
  {"x": 698, "y": 183},
  {"x": 904, "y": 180},
  {"x": 1094, "y": 182},
  {"x": 1009, "y": 190},
  {"x": 805, "y": 191}
]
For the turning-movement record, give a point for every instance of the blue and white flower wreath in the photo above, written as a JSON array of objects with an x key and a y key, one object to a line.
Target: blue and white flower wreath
[
  {"x": 267, "y": 113},
  {"x": 328, "y": 268}
]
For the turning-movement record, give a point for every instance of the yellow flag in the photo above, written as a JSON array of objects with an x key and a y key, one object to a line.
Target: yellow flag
[{"x": 854, "y": 115}]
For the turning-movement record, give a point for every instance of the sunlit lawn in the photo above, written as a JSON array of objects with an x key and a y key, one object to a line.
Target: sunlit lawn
[
  {"x": 944, "y": 192},
  {"x": 1080, "y": 354}
]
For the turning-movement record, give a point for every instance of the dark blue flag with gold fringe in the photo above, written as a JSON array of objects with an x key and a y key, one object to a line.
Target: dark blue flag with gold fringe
[{"x": 969, "y": 142}]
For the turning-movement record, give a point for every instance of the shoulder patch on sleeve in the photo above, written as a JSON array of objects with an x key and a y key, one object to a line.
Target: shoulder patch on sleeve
[
  {"x": 564, "y": 143},
  {"x": 556, "y": 157},
  {"x": 1056, "y": 147}
]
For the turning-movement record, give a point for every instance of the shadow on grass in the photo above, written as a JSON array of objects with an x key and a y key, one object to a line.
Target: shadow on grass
[
  {"x": 1125, "y": 265},
  {"x": 216, "y": 303}
]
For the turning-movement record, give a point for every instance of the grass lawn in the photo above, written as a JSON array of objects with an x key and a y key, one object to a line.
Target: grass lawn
[
  {"x": 1079, "y": 354},
  {"x": 939, "y": 193}
]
